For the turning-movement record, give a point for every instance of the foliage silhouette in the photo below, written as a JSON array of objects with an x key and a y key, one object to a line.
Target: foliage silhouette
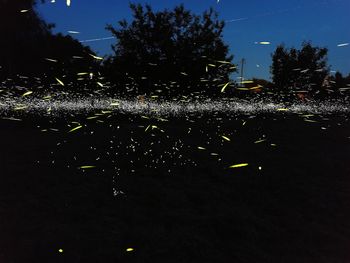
[
  {"x": 169, "y": 52},
  {"x": 169, "y": 46},
  {"x": 295, "y": 70},
  {"x": 29, "y": 47}
]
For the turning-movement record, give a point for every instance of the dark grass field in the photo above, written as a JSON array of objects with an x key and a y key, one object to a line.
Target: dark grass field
[{"x": 175, "y": 203}]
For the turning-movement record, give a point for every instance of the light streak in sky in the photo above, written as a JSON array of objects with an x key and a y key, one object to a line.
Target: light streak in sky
[
  {"x": 264, "y": 14},
  {"x": 95, "y": 39},
  {"x": 263, "y": 43},
  {"x": 281, "y": 11},
  {"x": 235, "y": 20}
]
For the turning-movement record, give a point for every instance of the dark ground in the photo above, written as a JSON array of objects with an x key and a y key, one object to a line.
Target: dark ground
[{"x": 296, "y": 209}]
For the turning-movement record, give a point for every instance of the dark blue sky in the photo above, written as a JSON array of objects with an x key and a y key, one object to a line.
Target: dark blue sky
[{"x": 324, "y": 22}]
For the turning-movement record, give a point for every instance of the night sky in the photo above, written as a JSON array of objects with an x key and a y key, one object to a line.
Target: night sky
[{"x": 325, "y": 23}]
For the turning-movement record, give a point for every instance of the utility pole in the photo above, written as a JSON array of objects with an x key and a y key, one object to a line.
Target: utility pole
[{"x": 242, "y": 67}]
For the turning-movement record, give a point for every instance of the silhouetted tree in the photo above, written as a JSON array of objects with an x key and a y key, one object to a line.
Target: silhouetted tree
[
  {"x": 28, "y": 47},
  {"x": 339, "y": 81},
  {"x": 169, "y": 46},
  {"x": 72, "y": 57},
  {"x": 303, "y": 69},
  {"x": 283, "y": 63},
  {"x": 339, "y": 86},
  {"x": 23, "y": 36}
]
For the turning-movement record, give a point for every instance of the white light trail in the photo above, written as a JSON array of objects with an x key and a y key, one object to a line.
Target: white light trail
[
  {"x": 343, "y": 44},
  {"x": 96, "y": 39}
]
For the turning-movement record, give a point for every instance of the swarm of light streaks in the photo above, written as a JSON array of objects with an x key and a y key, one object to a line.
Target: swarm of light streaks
[{"x": 162, "y": 108}]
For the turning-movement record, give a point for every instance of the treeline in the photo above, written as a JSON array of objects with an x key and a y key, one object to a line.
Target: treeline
[
  {"x": 30, "y": 54},
  {"x": 165, "y": 53}
]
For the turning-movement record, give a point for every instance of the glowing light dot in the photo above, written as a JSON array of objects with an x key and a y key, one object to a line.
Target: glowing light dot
[
  {"x": 60, "y": 250},
  {"x": 129, "y": 249}
]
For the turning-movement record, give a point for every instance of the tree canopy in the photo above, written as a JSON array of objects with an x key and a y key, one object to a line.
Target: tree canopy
[
  {"x": 303, "y": 69},
  {"x": 29, "y": 47},
  {"x": 169, "y": 45}
]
